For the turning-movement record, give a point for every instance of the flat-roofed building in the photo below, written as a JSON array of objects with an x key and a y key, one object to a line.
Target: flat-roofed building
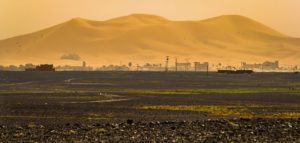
[
  {"x": 183, "y": 66},
  {"x": 201, "y": 66},
  {"x": 43, "y": 67}
]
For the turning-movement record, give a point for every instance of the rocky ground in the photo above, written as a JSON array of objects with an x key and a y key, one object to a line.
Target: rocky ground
[
  {"x": 164, "y": 107},
  {"x": 221, "y": 130}
]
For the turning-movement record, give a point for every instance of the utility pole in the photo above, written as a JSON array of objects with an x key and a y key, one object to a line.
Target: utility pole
[
  {"x": 137, "y": 67},
  {"x": 167, "y": 64},
  {"x": 186, "y": 65},
  {"x": 176, "y": 65},
  {"x": 84, "y": 64},
  {"x": 207, "y": 68}
]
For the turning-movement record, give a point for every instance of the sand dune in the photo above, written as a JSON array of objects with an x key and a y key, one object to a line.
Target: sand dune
[{"x": 141, "y": 38}]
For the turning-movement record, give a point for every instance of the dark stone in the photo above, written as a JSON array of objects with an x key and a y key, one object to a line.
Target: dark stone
[
  {"x": 245, "y": 119},
  {"x": 130, "y": 121},
  {"x": 77, "y": 125}
]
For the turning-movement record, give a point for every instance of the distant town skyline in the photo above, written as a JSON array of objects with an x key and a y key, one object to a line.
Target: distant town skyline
[
  {"x": 195, "y": 66},
  {"x": 22, "y": 17}
]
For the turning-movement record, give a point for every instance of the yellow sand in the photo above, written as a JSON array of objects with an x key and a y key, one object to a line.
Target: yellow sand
[{"x": 141, "y": 38}]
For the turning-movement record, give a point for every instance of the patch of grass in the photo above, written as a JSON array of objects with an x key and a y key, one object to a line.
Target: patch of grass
[
  {"x": 53, "y": 117},
  {"x": 99, "y": 130},
  {"x": 214, "y": 110},
  {"x": 222, "y": 110},
  {"x": 97, "y": 116},
  {"x": 29, "y": 117},
  {"x": 283, "y": 115},
  {"x": 205, "y": 91},
  {"x": 19, "y": 135},
  {"x": 164, "y": 91},
  {"x": 31, "y": 125},
  {"x": 234, "y": 125},
  {"x": 70, "y": 132},
  {"x": 79, "y": 97}
]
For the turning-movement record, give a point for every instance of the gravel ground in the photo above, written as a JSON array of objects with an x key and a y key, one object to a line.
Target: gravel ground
[
  {"x": 67, "y": 107},
  {"x": 221, "y": 130}
]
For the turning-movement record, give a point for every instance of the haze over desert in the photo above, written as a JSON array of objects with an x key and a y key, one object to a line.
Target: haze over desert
[{"x": 150, "y": 71}]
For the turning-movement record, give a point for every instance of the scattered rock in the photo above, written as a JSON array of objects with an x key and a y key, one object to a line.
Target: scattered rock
[
  {"x": 220, "y": 130},
  {"x": 130, "y": 121}
]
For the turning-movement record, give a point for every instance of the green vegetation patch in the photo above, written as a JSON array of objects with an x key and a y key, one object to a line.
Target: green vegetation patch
[
  {"x": 98, "y": 116},
  {"x": 78, "y": 97},
  {"x": 206, "y": 91},
  {"x": 222, "y": 110},
  {"x": 19, "y": 135},
  {"x": 214, "y": 110},
  {"x": 283, "y": 115},
  {"x": 30, "y": 117},
  {"x": 166, "y": 91},
  {"x": 70, "y": 132},
  {"x": 99, "y": 130},
  {"x": 89, "y": 117}
]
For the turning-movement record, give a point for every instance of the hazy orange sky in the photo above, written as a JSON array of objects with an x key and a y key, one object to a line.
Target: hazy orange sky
[{"x": 25, "y": 16}]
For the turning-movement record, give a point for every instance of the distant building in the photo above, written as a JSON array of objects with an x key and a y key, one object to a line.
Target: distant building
[
  {"x": 84, "y": 64},
  {"x": 113, "y": 68},
  {"x": 74, "y": 68},
  {"x": 29, "y": 65},
  {"x": 43, "y": 67},
  {"x": 183, "y": 66},
  {"x": 46, "y": 67},
  {"x": 30, "y": 69},
  {"x": 152, "y": 67},
  {"x": 82, "y": 67},
  {"x": 201, "y": 66},
  {"x": 267, "y": 65},
  {"x": 251, "y": 66},
  {"x": 270, "y": 65}
]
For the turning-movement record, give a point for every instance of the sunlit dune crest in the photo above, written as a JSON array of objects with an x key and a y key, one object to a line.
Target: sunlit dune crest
[{"x": 142, "y": 38}]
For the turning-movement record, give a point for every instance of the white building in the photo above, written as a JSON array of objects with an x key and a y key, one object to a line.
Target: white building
[
  {"x": 201, "y": 66},
  {"x": 183, "y": 66}
]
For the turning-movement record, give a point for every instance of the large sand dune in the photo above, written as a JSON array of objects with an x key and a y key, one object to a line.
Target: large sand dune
[{"x": 141, "y": 38}]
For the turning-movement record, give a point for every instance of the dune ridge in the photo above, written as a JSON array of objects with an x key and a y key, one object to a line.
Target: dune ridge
[{"x": 142, "y": 38}]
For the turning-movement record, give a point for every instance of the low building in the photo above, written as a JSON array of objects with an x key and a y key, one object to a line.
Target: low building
[
  {"x": 267, "y": 65},
  {"x": 183, "y": 66},
  {"x": 152, "y": 67},
  {"x": 83, "y": 67},
  {"x": 30, "y": 69},
  {"x": 270, "y": 65},
  {"x": 43, "y": 67},
  {"x": 251, "y": 66},
  {"x": 113, "y": 68},
  {"x": 201, "y": 66}
]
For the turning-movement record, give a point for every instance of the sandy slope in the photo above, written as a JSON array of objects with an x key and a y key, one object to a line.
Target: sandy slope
[{"x": 141, "y": 38}]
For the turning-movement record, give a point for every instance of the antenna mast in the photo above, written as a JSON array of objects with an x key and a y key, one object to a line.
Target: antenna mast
[
  {"x": 176, "y": 64},
  {"x": 167, "y": 64},
  {"x": 207, "y": 68}
]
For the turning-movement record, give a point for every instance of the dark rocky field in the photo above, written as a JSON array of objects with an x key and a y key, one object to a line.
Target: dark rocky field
[{"x": 149, "y": 107}]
